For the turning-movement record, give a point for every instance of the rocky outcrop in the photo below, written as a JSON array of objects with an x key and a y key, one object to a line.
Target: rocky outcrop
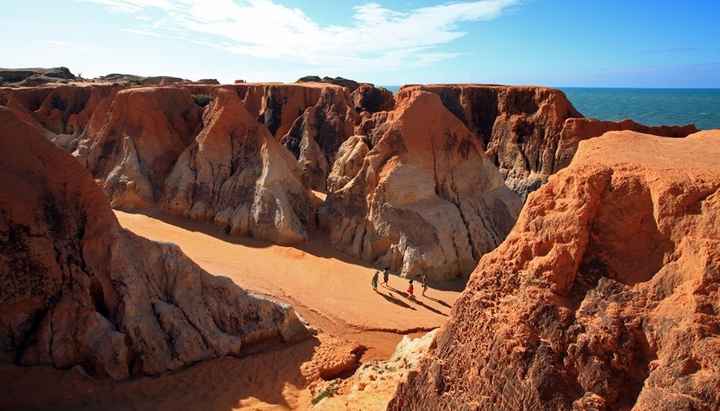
[
  {"x": 518, "y": 126},
  {"x": 576, "y": 130},
  {"x": 425, "y": 200},
  {"x": 370, "y": 99},
  {"x": 351, "y": 85},
  {"x": 277, "y": 106},
  {"x": 373, "y": 384},
  {"x": 604, "y": 296},
  {"x": 135, "y": 80},
  {"x": 135, "y": 145},
  {"x": 35, "y": 76},
  {"x": 350, "y": 158},
  {"x": 237, "y": 175},
  {"x": 64, "y": 110},
  {"x": 316, "y": 136},
  {"x": 131, "y": 139},
  {"x": 530, "y": 133},
  {"x": 78, "y": 290}
]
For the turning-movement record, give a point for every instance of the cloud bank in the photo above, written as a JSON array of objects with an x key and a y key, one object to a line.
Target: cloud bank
[{"x": 377, "y": 37}]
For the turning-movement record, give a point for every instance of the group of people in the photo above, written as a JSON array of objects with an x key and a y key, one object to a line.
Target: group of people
[{"x": 386, "y": 282}]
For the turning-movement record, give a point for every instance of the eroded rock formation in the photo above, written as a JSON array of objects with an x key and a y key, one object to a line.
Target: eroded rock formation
[
  {"x": 236, "y": 174},
  {"x": 524, "y": 130},
  {"x": 78, "y": 290},
  {"x": 370, "y": 99},
  {"x": 35, "y": 76},
  {"x": 64, "y": 110},
  {"x": 132, "y": 138},
  {"x": 136, "y": 146},
  {"x": 279, "y": 105},
  {"x": 519, "y": 127},
  {"x": 351, "y": 85},
  {"x": 576, "y": 130},
  {"x": 604, "y": 296},
  {"x": 316, "y": 136},
  {"x": 425, "y": 198}
]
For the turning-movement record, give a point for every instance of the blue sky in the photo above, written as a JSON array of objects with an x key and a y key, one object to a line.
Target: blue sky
[{"x": 638, "y": 43}]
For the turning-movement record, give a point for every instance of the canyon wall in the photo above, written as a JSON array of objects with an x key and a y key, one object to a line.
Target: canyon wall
[
  {"x": 77, "y": 290},
  {"x": 529, "y": 132},
  {"x": 423, "y": 199},
  {"x": 604, "y": 296},
  {"x": 246, "y": 157}
]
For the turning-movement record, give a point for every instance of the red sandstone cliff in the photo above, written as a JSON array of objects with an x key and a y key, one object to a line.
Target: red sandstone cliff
[
  {"x": 604, "y": 296},
  {"x": 316, "y": 136},
  {"x": 78, "y": 290},
  {"x": 420, "y": 197},
  {"x": 133, "y": 139},
  {"x": 529, "y": 132},
  {"x": 238, "y": 175}
]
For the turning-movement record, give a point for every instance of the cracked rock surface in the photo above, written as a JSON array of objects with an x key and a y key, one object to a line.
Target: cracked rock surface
[
  {"x": 239, "y": 176},
  {"x": 604, "y": 296},
  {"x": 425, "y": 199},
  {"x": 78, "y": 290},
  {"x": 529, "y": 132}
]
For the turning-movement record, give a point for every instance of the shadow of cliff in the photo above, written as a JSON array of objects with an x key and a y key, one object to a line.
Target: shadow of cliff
[
  {"x": 222, "y": 384},
  {"x": 319, "y": 245}
]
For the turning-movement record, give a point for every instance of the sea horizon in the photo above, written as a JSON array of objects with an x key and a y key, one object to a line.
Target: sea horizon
[{"x": 652, "y": 106}]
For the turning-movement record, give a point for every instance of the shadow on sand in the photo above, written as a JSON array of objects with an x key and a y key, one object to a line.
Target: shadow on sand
[
  {"x": 319, "y": 246},
  {"x": 439, "y": 301},
  {"x": 222, "y": 384},
  {"x": 397, "y": 301},
  {"x": 422, "y": 304},
  {"x": 415, "y": 300}
]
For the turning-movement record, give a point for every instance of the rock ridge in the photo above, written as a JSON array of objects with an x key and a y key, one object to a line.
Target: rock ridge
[
  {"x": 80, "y": 291},
  {"x": 604, "y": 296}
]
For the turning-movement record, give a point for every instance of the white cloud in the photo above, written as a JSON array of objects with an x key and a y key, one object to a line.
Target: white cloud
[{"x": 376, "y": 37}]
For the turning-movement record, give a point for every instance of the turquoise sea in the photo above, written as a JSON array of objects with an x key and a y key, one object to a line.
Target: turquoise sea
[{"x": 648, "y": 106}]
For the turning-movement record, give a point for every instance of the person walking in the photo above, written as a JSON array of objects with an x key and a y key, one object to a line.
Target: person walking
[
  {"x": 411, "y": 291},
  {"x": 386, "y": 278},
  {"x": 374, "y": 280},
  {"x": 424, "y": 281}
]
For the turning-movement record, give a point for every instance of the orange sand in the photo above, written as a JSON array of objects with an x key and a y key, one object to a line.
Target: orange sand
[
  {"x": 315, "y": 276},
  {"x": 330, "y": 290}
]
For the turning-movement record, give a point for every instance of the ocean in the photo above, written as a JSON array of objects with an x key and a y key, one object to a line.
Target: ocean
[{"x": 648, "y": 106}]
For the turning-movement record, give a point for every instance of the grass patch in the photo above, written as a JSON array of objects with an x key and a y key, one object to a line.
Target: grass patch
[{"x": 328, "y": 392}]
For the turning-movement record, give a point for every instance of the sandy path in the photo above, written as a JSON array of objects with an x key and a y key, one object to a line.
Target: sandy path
[{"x": 314, "y": 276}]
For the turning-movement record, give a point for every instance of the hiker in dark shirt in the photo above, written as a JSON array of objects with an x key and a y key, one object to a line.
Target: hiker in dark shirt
[
  {"x": 386, "y": 278},
  {"x": 374, "y": 280},
  {"x": 424, "y": 281}
]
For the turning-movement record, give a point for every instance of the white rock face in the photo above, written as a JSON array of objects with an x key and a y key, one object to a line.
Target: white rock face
[
  {"x": 425, "y": 200},
  {"x": 78, "y": 290},
  {"x": 349, "y": 161},
  {"x": 237, "y": 175}
]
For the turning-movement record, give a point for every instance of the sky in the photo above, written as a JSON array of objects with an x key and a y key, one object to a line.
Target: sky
[{"x": 591, "y": 43}]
